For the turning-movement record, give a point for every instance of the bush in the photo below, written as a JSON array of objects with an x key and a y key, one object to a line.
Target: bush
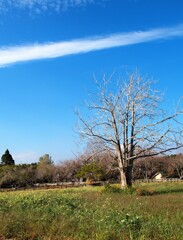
[
  {"x": 145, "y": 192},
  {"x": 111, "y": 189},
  {"x": 115, "y": 188}
]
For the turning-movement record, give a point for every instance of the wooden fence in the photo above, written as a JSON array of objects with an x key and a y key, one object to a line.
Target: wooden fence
[
  {"x": 80, "y": 184},
  {"x": 158, "y": 180}
]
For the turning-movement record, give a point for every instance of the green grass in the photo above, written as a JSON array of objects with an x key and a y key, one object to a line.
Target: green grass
[{"x": 93, "y": 213}]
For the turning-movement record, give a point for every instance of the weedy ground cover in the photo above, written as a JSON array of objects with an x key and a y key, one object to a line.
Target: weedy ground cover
[{"x": 101, "y": 213}]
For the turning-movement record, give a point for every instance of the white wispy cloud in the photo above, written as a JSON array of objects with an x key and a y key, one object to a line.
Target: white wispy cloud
[
  {"x": 38, "y": 6},
  {"x": 25, "y": 157},
  {"x": 15, "y": 54}
]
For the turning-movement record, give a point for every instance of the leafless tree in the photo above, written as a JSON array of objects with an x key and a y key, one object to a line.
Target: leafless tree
[
  {"x": 127, "y": 120},
  {"x": 177, "y": 165},
  {"x": 69, "y": 168},
  {"x": 147, "y": 167}
]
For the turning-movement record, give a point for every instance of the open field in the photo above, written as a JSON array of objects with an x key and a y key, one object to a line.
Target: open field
[{"x": 151, "y": 211}]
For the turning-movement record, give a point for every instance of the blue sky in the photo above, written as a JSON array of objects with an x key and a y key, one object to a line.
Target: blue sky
[{"x": 50, "y": 49}]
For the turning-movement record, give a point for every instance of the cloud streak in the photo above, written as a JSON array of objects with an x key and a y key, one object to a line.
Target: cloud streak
[
  {"x": 16, "y": 54},
  {"x": 25, "y": 157}
]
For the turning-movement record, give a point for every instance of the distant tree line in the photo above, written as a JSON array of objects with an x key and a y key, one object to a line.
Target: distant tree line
[{"x": 86, "y": 167}]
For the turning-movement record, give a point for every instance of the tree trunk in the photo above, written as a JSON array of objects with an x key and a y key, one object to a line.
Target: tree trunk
[
  {"x": 129, "y": 176},
  {"x": 123, "y": 179}
]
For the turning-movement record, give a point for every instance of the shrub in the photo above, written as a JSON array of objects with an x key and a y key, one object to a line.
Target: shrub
[
  {"x": 111, "y": 189},
  {"x": 145, "y": 192}
]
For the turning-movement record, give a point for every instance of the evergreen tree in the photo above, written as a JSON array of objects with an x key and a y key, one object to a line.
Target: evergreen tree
[
  {"x": 45, "y": 159},
  {"x": 7, "y": 159}
]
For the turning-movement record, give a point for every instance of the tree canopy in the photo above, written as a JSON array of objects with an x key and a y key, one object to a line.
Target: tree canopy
[
  {"x": 92, "y": 171},
  {"x": 127, "y": 120},
  {"x": 45, "y": 159},
  {"x": 7, "y": 158}
]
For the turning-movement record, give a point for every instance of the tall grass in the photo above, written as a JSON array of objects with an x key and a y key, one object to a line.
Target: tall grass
[{"x": 92, "y": 213}]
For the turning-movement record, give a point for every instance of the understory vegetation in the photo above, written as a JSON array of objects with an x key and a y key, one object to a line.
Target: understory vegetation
[{"x": 146, "y": 212}]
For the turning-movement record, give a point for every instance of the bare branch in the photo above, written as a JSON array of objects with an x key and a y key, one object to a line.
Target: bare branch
[{"x": 129, "y": 122}]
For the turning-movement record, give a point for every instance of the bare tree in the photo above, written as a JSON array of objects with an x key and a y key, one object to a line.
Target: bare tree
[
  {"x": 129, "y": 122},
  {"x": 145, "y": 168},
  {"x": 177, "y": 165}
]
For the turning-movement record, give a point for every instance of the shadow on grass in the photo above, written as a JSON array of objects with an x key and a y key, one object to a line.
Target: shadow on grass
[
  {"x": 152, "y": 191},
  {"x": 165, "y": 191}
]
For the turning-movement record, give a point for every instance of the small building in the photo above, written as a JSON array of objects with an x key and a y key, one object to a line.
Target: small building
[{"x": 158, "y": 176}]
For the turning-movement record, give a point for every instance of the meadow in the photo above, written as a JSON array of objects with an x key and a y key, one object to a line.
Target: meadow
[{"x": 152, "y": 211}]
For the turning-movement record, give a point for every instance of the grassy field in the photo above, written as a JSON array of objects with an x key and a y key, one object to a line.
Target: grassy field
[{"x": 148, "y": 212}]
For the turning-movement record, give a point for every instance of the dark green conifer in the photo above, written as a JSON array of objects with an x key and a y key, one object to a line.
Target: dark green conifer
[{"x": 7, "y": 159}]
